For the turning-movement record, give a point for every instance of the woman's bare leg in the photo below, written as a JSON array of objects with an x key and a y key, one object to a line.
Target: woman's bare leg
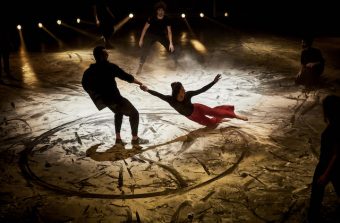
[{"x": 242, "y": 117}]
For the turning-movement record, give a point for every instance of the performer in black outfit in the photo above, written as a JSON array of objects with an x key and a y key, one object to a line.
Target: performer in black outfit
[
  {"x": 99, "y": 82},
  {"x": 159, "y": 30},
  {"x": 5, "y": 46},
  {"x": 328, "y": 168},
  {"x": 104, "y": 20},
  {"x": 312, "y": 64},
  {"x": 180, "y": 100}
]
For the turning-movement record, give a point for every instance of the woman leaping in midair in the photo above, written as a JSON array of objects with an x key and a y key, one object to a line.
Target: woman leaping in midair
[{"x": 180, "y": 100}]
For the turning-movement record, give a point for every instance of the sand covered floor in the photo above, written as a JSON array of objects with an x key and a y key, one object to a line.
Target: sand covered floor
[{"x": 59, "y": 162}]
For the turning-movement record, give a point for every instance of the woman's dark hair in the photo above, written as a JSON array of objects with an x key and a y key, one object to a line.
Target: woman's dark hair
[
  {"x": 98, "y": 51},
  {"x": 160, "y": 5},
  {"x": 331, "y": 109},
  {"x": 176, "y": 87}
]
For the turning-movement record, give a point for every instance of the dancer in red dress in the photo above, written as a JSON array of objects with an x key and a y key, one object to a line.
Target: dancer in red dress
[{"x": 180, "y": 100}]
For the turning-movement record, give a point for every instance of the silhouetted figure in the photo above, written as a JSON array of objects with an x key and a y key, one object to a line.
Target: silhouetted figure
[
  {"x": 5, "y": 48},
  {"x": 180, "y": 100},
  {"x": 156, "y": 29},
  {"x": 99, "y": 82},
  {"x": 312, "y": 64},
  {"x": 328, "y": 168},
  {"x": 104, "y": 20}
]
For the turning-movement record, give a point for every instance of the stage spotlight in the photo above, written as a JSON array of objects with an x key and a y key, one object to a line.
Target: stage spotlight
[
  {"x": 131, "y": 15},
  {"x": 59, "y": 22},
  {"x": 198, "y": 46},
  {"x": 226, "y": 14},
  {"x": 40, "y": 25},
  {"x": 19, "y": 27},
  {"x": 201, "y": 15},
  {"x": 183, "y": 15},
  {"x": 78, "y": 20}
]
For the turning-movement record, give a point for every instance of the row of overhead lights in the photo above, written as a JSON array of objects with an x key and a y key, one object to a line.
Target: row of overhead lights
[
  {"x": 59, "y": 22},
  {"x": 131, "y": 15},
  {"x": 40, "y": 25},
  {"x": 202, "y": 15}
]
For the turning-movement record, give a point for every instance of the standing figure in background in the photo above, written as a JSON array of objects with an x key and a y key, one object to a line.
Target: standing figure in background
[
  {"x": 312, "y": 64},
  {"x": 104, "y": 20},
  {"x": 328, "y": 168},
  {"x": 5, "y": 48},
  {"x": 156, "y": 29}
]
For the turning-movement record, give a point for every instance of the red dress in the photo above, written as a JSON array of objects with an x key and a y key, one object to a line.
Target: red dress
[{"x": 201, "y": 113}]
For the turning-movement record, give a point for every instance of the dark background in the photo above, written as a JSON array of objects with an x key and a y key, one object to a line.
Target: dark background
[
  {"x": 262, "y": 11},
  {"x": 285, "y": 17}
]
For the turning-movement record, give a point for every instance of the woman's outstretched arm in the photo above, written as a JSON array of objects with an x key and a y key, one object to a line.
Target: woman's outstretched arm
[
  {"x": 155, "y": 93},
  {"x": 206, "y": 87}
]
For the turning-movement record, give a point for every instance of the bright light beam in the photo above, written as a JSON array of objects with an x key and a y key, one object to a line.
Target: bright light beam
[
  {"x": 87, "y": 22},
  {"x": 198, "y": 46},
  {"x": 189, "y": 27},
  {"x": 29, "y": 77},
  {"x": 120, "y": 24},
  {"x": 60, "y": 43},
  {"x": 80, "y": 31}
]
